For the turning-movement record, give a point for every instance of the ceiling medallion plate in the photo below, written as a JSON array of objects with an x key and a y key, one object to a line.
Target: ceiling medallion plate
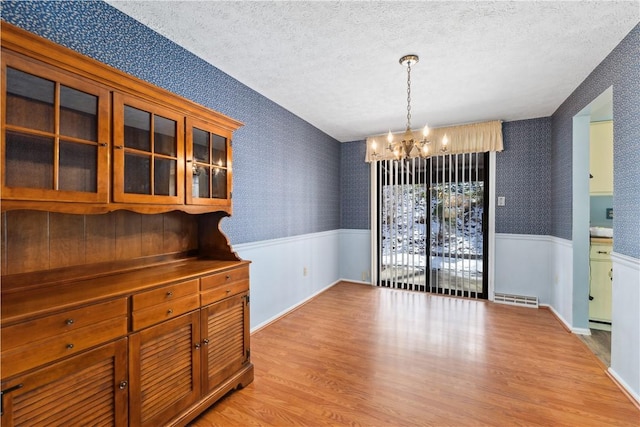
[{"x": 409, "y": 59}]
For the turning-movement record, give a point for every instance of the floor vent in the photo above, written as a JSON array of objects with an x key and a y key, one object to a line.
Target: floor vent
[{"x": 521, "y": 300}]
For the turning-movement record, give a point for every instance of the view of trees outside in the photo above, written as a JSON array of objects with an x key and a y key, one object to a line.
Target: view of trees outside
[{"x": 455, "y": 242}]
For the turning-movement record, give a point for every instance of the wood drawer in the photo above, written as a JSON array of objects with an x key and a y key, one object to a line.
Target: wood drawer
[
  {"x": 164, "y": 294},
  {"x": 600, "y": 252},
  {"x": 223, "y": 291},
  {"x": 226, "y": 277},
  {"x": 38, "y": 353},
  {"x": 159, "y": 313},
  {"x": 50, "y": 326}
]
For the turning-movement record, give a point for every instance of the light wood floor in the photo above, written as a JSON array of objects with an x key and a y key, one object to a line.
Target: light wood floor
[
  {"x": 361, "y": 355},
  {"x": 600, "y": 344}
]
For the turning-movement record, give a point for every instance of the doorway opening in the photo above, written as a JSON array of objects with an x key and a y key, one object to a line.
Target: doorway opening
[{"x": 593, "y": 189}]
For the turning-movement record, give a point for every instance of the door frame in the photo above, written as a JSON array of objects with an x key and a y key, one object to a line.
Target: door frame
[{"x": 490, "y": 227}]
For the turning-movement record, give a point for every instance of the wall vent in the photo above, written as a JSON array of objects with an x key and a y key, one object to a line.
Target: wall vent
[{"x": 520, "y": 300}]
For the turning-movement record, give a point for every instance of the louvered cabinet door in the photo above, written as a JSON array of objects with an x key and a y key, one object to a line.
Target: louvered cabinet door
[
  {"x": 87, "y": 389},
  {"x": 164, "y": 370},
  {"x": 225, "y": 332}
]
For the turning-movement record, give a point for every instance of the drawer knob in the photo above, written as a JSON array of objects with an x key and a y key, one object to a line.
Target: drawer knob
[
  {"x": 69, "y": 346},
  {"x": 69, "y": 322},
  {"x": 205, "y": 341},
  {"x": 197, "y": 346},
  {"x": 228, "y": 276},
  {"x": 228, "y": 291},
  {"x": 170, "y": 311},
  {"x": 169, "y": 294},
  {"x": 123, "y": 385}
]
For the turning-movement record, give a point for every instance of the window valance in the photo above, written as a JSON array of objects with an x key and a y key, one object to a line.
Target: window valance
[{"x": 470, "y": 138}]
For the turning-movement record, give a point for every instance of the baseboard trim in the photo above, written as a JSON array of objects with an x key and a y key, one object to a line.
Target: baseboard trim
[
  {"x": 292, "y": 308},
  {"x": 360, "y": 282},
  {"x": 566, "y": 325},
  {"x": 626, "y": 389}
]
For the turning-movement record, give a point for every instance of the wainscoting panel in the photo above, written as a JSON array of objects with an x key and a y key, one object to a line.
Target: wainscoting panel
[
  {"x": 289, "y": 271},
  {"x": 625, "y": 323},
  {"x": 561, "y": 275},
  {"x": 355, "y": 255},
  {"x": 523, "y": 265}
]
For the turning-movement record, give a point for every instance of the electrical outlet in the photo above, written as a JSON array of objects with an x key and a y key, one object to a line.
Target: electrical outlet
[{"x": 305, "y": 271}]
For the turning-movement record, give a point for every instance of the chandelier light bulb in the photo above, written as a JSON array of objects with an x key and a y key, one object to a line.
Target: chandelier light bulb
[
  {"x": 445, "y": 141},
  {"x": 374, "y": 145},
  {"x": 389, "y": 137},
  {"x": 425, "y": 131}
]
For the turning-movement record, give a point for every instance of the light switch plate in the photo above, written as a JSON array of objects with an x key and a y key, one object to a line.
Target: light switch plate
[{"x": 501, "y": 200}]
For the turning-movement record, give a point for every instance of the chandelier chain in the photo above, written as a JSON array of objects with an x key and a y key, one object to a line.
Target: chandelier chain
[{"x": 409, "y": 95}]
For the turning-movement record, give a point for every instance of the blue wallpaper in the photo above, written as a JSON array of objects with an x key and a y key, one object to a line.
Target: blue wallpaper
[
  {"x": 354, "y": 186},
  {"x": 286, "y": 172},
  {"x": 290, "y": 178},
  {"x": 522, "y": 177},
  {"x": 621, "y": 68}
]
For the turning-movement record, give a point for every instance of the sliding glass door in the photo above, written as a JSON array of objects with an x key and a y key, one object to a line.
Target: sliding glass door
[{"x": 432, "y": 217}]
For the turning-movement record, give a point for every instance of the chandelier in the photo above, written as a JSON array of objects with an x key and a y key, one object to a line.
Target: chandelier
[{"x": 405, "y": 147}]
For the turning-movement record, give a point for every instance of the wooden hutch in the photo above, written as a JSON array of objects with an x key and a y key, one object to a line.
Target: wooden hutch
[{"x": 122, "y": 301}]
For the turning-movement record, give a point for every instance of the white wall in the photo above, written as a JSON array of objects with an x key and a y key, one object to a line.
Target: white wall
[
  {"x": 278, "y": 280},
  {"x": 355, "y": 255},
  {"x": 522, "y": 265},
  {"x": 561, "y": 269},
  {"x": 625, "y": 321}
]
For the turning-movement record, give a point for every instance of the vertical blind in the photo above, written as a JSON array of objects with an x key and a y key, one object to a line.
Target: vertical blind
[{"x": 430, "y": 224}]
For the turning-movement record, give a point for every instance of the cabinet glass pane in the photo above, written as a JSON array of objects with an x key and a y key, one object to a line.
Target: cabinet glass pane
[
  {"x": 78, "y": 167},
  {"x": 30, "y": 101},
  {"x": 29, "y": 161},
  {"x": 219, "y": 151},
  {"x": 201, "y": 146},
  {"x": 137, "y": 129},
  {"x": 164, "y": 136},
  {"x": 201, "y": 182},
  {"x": 164, "y": 171},
  {"x": 78, "y": 114},
  {"x": 219, "y": 184},
  {"x": 137, "y": 175}
]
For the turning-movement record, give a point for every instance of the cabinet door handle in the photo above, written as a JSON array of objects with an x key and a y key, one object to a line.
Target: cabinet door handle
[
  {"x": 69, "y": 322},
  {"x": 197, "y": 346},
  {"x": 103, "y": 144},
  {"x": 205, "y": 341},
  {"x": 603, "y": 252},
  {"x": 119, "y": 147},
  {"x": 3, "y": 392},
  {"x": 123, "y": 385}
]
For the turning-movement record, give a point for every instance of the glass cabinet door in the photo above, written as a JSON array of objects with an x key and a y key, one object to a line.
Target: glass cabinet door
[
  {"x": 148, "y": 152},
  {"x": 55, "y": 134},
  {"x": 208, "y": 164}
]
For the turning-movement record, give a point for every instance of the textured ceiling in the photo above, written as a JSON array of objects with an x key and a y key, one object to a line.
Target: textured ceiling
[{"x": 335, "y": 64}]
